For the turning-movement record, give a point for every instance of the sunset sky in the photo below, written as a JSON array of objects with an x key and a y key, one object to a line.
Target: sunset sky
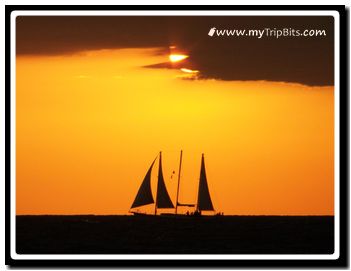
[{"x": 94, "y": 109}]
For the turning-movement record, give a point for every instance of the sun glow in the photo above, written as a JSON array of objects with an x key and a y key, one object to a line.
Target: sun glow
[
  {"x": 188, "y": 70},
  {"x": 176, "y": 58}
]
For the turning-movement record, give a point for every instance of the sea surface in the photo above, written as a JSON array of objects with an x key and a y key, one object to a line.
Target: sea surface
[{"x": 89, "y": 234}]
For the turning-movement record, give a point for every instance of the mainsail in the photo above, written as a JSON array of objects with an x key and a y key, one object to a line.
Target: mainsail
[
  {"x": 144, "y": 195},
  {"x": 204, "y": 202},
  {"x": 162, "y": 198}
]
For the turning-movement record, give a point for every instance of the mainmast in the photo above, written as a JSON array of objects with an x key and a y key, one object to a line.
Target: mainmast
[
  {"x": 159, "y": 167},
  {"x": 180, "y": 168},
  {"x": 162, "y": 197}
]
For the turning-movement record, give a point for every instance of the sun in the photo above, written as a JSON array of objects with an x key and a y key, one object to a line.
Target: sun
[{"x": 176, "y": 58}]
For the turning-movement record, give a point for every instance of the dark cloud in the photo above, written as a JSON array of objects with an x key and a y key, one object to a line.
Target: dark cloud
[{"x": 307, "y": 60}]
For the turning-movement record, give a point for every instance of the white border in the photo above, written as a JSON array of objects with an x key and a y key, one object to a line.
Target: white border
[{"x": 333, "y": 256}]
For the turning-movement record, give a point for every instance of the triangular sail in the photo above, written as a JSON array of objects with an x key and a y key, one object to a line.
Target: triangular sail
[
  {"x": 162, "y": 198},
  {"x": 144, "y": 195},
  {"x": 204, "y": 202}
]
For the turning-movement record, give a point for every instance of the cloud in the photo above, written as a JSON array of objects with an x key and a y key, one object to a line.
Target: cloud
[{"x": 308, "y": 61}]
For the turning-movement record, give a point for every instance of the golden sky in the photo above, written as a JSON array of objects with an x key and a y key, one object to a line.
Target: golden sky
[{"x": 90, "y": 124}]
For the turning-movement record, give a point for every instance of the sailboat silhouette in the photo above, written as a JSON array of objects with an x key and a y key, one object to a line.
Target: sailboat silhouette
[{"x": 163, "y": 200}]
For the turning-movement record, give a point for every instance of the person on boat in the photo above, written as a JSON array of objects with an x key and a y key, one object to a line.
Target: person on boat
[{"x": 197, "y": 213}]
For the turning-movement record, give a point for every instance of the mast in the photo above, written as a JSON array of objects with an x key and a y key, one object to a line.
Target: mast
[
  {"x": 180, "y": 168},
  {"x": 159, "y": 166},
  {"x": 162, "y": 197}
]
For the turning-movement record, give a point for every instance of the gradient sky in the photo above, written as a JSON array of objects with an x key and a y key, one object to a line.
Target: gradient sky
[{"x": 91, "y": 118}]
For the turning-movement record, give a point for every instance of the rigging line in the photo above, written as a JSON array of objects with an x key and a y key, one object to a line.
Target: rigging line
[{"x": 180, "y": 168}]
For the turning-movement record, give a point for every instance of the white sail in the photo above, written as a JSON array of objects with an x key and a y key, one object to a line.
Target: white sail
[
  {"x": 204, "y": 202},
  {"x": 144, "y": 195},
  {"x": 162, "y": 198}
]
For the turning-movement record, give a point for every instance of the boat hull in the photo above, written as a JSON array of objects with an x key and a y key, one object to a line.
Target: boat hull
[{"x": 173, "y": 215}]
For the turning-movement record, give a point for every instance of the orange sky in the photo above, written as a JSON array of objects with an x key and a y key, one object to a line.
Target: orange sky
[{"x": 90, "y": 124}]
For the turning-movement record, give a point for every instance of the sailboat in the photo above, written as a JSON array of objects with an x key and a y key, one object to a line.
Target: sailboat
[{"x": 163, "y": 200}]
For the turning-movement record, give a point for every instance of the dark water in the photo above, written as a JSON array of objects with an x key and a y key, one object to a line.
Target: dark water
[{"x": 179, "y": 235}]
